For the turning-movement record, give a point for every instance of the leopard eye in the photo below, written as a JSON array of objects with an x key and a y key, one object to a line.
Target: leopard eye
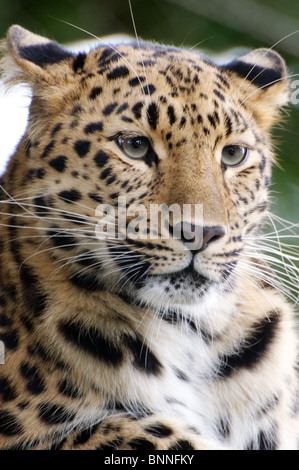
[
  {"x": 134, "y": 147},
  {"x": 234, "y": 155}
]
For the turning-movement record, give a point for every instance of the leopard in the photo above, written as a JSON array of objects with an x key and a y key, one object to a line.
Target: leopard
[{"x": 119, "y": 333}]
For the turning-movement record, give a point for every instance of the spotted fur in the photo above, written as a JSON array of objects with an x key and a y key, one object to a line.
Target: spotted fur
[{"x": 140, "y": 343}]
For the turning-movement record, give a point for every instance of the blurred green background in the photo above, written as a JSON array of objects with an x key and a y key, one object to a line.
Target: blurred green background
[{"x": 215, "y": 25}]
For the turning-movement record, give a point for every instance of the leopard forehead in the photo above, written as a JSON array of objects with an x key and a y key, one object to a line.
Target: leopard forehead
[{"x": 144, "y": 74}]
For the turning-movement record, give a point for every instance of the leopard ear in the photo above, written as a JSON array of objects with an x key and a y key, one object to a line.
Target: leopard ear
[
  {"x": 43, "y": 65},
  {"x": 29, "y": 57},
  {"x": 263, "y": 75}
]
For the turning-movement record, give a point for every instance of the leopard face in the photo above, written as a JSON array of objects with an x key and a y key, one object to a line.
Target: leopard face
[{"x": 125, "y": 129}]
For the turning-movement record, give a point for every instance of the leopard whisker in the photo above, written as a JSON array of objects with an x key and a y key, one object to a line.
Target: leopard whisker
[
  {"x": 272, "y": 242},
  {"x": 272, "y": 237},
  {"x": 58, "y": 210},
  {"x": 138, "y": 43},
  {"x": 275, "y": 256},
  {"x": 285, "y": 223},
  {"x": 11, "y": 199},
  {"x": 49, "y": 219},
  {"x": 49, "y": 229},
  {"x": 246, "y": 275},
  {"x": 140, "y": 263},
  {"x": 90, "y": 255},
  {"x": 39, "y": 252},
  {"x": 285, "y": 254},
  {"x": 67, "y": 245},
  {"x": 290, "y": 270},
  {"x": 52, "y": 209},
  {"x": 75, "y": 258},
  {"x": 18, "y": 197},
  {"x": 264, "y": 275},
  {"x": 272, "y": 245}
]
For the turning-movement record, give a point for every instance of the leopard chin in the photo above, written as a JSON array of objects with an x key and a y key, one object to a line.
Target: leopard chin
[{"x": 184, "y": 287}]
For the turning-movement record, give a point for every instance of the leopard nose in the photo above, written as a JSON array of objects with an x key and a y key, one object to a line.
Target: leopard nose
[{"x": 197, "y": 237}]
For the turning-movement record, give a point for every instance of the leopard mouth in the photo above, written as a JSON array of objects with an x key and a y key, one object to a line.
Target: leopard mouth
[
  {"x": 186, "y": 274},
  {"x": 184, "y": 286}
]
